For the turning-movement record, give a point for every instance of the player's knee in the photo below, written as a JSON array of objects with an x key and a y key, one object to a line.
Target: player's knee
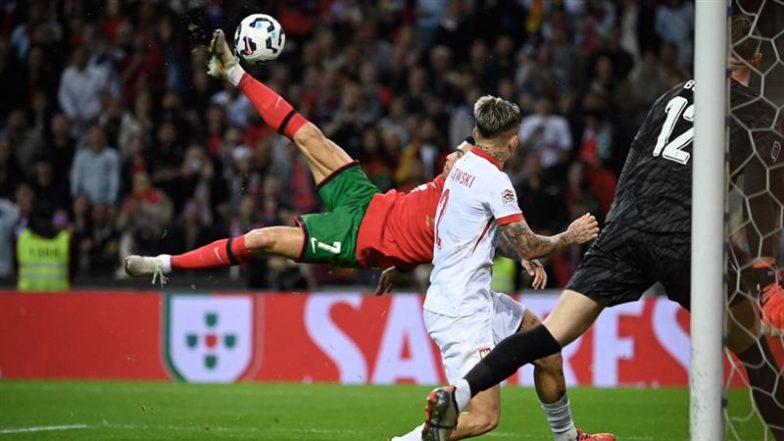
[
  {"x": 259, "y": 239},
  {"x": 551, "y": 363}
]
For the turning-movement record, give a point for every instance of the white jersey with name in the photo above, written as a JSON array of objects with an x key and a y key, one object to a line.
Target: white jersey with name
[{"x": 478, "y": 197}]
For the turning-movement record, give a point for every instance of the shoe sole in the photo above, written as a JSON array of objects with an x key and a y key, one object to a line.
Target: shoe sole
[{"x": 432, "y": 402}]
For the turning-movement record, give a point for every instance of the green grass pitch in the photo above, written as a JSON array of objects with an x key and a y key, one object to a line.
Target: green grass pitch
[{"x": 46, "y": 410}]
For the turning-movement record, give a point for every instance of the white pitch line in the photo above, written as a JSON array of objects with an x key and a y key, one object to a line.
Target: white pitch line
[{"x": 42, "y": 429}]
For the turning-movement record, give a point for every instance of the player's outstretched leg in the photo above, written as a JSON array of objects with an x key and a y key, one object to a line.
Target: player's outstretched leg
[
  {"x": 743, "y": 337},
  {"x": 572, "y": 316},
  {"x": 280, "y": 241},
  {"x": 324, "y": 157}
]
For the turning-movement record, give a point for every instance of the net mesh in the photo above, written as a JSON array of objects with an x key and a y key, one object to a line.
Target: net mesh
[{"x": 755, "y": 234}]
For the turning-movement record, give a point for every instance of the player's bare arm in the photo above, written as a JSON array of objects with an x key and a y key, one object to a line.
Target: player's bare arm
[
  {"x": 523, "y": 242},
  {"x": 534, "y": 268},
  {"x": 387, "y": 280}
]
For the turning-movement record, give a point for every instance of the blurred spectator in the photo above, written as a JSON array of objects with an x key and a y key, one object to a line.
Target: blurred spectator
[
  {"x": 648, "y": 80},
  {"x": 546, "y": 135},
  {"x": 429, "y": 15},
  {"x": 142, "y": 63},
  {"x": 198, "y": 183},
  {"x": 134, "y": 162},
  {"x": 166, "y": 161},
  {"x": 637, "y": 27},
  {"x": 537, "y": 72},
  {"x": 136, "y": 122},
  {"x": 37, "y": 27},
  {"x": 421, "y": 151},
  {"x": 675, "y": 25},
  {"x": 111, "y": 118},
  {"x": 461, "y": 122},
  {"x": 349, "y": 119},
  {"x": 80, "y": 90},
  {"x": 244, "y": 178},
  {"x": 49, "y": 190},
  {"x": 615, "y": 91},
  {"x": 25, "y": 200},
  {"x": 42, "y": 77},
  {"x": 143, "y": 218},
  {"x": 98, "y": 246},
  {"x": 26, "y": 143},
  {"x": 236, "y": 104},
  {"x": 96, "y": 170},
  {"x": 541, "y": 197},
  {"x": 10, "y": 97},
  {"x": 9, "y": 214},
  {"x": 188, "y": 232},
  {"x": 581, "y": 195},
  {"x": 61, "y": 147},
  {"x": 629, "y": 22},
  {"x": 375, "y": 163},
  {"x": 80, "y": 217},
  {"x": 620, "y": 60},
  {"x": 10, "y": 173},
  {"x": 43, "y": 254}
]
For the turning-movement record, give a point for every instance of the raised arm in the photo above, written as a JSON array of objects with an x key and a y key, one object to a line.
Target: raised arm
[{"x": 517, "y": 240}]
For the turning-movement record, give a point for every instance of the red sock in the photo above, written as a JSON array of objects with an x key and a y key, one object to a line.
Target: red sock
[
  {"x": 276, "y": 111},
  {"x": 224, "y": 252}
]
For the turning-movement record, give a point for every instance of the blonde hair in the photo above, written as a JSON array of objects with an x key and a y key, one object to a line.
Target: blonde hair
[{"x": 495, "y": 116}]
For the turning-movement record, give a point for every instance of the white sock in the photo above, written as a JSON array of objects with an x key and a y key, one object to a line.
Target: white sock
[
  {"x": 234, "y": 75},
  {"x": 462, "y": 394},
  {"x": 165, "y": 263},
  {"x": 559, "y": 415},
  {"x": 414, "y": 435}
]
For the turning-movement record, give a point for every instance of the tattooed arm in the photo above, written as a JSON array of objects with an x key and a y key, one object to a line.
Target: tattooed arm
[
  {"x": 517, "y": 239},
  {"x": 504, "y": 248}
]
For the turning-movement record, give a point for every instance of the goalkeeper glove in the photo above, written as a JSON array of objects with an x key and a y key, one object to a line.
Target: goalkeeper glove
[{"x": 768, "y": 279}]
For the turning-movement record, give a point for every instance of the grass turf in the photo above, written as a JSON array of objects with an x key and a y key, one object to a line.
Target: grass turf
[{"x": 46, "y": 410}]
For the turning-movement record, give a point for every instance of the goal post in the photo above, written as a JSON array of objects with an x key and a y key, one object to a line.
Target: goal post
[{"x": 708, "y": 209}]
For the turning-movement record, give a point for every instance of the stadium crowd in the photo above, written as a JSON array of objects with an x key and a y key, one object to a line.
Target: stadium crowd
[{"x": 109, "y": 118}]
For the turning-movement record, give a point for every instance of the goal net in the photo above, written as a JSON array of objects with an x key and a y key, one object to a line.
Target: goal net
[{"x": 754, "y": 386}]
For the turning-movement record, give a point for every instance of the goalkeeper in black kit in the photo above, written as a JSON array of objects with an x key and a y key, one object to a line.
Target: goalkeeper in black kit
[{"x": 647, "y": 239}]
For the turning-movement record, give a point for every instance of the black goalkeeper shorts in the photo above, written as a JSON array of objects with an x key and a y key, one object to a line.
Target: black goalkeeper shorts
[{"x": 624, "y": 262}]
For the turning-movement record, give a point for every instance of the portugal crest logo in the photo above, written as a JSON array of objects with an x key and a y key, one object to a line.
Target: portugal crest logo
[{"x": 210, "y": 338}]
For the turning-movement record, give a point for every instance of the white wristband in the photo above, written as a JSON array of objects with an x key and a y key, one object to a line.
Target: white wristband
[{"x": 235, "y": 74}]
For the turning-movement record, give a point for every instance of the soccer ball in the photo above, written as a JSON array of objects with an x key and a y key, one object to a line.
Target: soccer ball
[{"x": 259, "y": 38}]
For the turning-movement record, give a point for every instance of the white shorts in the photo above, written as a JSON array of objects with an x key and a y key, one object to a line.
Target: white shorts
[{"x": 464, "y": 341}]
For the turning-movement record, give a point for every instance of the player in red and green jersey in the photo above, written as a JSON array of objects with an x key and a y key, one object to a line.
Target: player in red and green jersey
[{"x": 362, "y": 227}]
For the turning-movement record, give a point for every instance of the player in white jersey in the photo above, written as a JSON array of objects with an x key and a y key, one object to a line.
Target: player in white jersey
[
  {"x": 477, "y": 198},
  {"x": 462, "y": 314}
]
